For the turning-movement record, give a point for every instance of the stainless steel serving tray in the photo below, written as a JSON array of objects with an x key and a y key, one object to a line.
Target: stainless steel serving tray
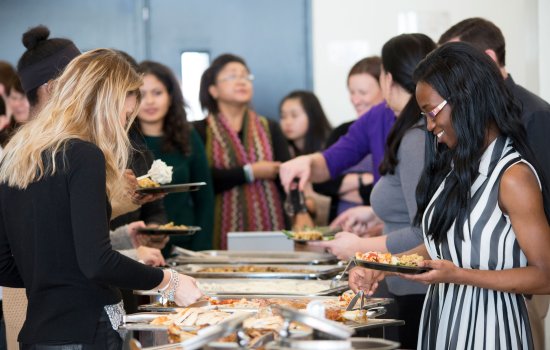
[
  {"x": 317, "y": 271},
  {"x": 373, "y": 323},
  {"x": 159, "y": 308},
  {"x": 252, "y": 257},
  {"x": 369, "y": 302},
  {"x": 140, "y": 322},
  {"x": 348, "y": 344},
  {"x": 254, "y": 287},
  {"x": 204, "y": 336}
]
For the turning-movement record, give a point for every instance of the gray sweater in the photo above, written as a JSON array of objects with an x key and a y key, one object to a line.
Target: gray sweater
[
  {"x": 120, "y": 240},
  {"x": 393, "y": 199}
]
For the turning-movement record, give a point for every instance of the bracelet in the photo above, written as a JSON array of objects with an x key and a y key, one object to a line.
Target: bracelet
[
  {"x": 169, "y": 294},
  {"x": 167, "y": 284},
  {"x": 248, "y": 173}
]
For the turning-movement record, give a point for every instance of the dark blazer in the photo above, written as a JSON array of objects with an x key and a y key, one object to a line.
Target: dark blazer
[
  {"x": 141, "y": 160},
  {"x": 535, "y": 115}
]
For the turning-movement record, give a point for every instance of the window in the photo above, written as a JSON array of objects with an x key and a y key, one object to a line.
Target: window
[{"x": 193, "y": 64}]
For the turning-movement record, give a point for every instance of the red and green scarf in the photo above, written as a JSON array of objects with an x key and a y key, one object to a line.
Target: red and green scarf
[{"x": 253, "y": 206}]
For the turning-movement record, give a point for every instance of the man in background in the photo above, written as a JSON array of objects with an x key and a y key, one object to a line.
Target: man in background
[{"x": 487, "y": 37}]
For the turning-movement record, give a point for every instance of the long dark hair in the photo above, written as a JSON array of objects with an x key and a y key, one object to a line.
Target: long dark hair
[
  {"x": 474, "y": 89},
  {"x": 209, "y": 78},
  {"x": 7, "y": 133},
  {"x": 176, "y": 129},
  {"x": 400, "y": 55},
  {"x": 318, "y": 125}
]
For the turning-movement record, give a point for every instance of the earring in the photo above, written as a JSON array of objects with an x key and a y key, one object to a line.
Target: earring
[{"x": 435, "y": 144}]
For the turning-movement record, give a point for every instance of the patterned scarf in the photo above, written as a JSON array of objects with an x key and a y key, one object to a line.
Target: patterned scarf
[{"x": 250, "y": 207}]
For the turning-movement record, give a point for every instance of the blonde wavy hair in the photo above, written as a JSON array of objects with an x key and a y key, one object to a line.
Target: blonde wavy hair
[{"x": 86, "y": 103}]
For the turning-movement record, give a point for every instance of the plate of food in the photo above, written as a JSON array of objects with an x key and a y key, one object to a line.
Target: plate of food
[
  {"x": 310, "y": 234},
  {"x": 173, "y": 188},
  {"x": 387, "y": 262},
  {"x": 158, "y": 180},
  {"x": 170, "y": 229}
]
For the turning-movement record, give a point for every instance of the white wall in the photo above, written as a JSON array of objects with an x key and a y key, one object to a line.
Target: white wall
[
  {"x": 544, "y": 49},
  {"x": 348, "y": 30}
]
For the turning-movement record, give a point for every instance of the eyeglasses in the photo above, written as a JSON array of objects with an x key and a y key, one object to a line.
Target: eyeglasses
[
  {"x": 433, "y": 113},
  {"x": 234, "y": 77}
]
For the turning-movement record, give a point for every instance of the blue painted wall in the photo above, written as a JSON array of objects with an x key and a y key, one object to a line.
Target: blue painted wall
[{"x": 274, "y": 37}]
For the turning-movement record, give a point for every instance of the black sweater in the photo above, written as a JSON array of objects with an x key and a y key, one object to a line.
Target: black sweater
[
  {"x": 140, "y": 163},
  {"x": 54, "y": 241}
]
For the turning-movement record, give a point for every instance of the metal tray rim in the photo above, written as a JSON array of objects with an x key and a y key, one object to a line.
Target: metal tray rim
[{"x": 319, "y": 271}]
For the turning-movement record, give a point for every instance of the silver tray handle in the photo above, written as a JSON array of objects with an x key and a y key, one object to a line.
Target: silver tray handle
[{"x": 326, "y": 326}]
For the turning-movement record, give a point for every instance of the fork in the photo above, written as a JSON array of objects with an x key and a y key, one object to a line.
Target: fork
[{"x": 337, "y": 278}]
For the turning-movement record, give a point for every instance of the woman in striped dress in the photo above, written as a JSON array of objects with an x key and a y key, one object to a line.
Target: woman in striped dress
[{"x": 481, "y": 206}]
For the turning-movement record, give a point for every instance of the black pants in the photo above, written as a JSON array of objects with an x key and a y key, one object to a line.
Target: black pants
[
  {"x": 106, "y": 338},
  {"x": 409, "y": 310}
]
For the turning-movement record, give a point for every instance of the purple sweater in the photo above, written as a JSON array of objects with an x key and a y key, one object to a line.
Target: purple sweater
[{"x": 366, "y": 136}]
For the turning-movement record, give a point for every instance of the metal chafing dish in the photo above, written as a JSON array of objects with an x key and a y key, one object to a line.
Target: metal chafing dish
[
  {"x": 349, "y": 344},
  {"x": 250, "y": 287},
  {"x": 324, "y": 329},
  {"x": 375, "y": 307},
  {"x": 249, "y": 257},
  {"x": 159, "y": 308},
  {"x": 337, "y": 336},
  {"x": 204, "y": 336},
  {"x": 288, "y": 271},
  {"x": 141, "y": 321},
  {"x": 369, "y": 302},
  {"x": 255, "y": 287}
]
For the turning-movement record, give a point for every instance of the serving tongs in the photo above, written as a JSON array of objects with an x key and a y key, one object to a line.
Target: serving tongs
[
  {"x": 182, "y": 251},
  {"x": 359, "y": 296},
  {"x": 336, "y": 279},
  {"x": 333, "y": 329}
]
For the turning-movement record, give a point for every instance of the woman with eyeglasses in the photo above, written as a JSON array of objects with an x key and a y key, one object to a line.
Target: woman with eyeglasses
[
  {"x": 482, "y": 208},
  {"x": 244, "y": 151},
  {"x": 393, "y": 196}
]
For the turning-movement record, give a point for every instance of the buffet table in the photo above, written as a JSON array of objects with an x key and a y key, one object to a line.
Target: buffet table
[{"x": 261, "y": 298}]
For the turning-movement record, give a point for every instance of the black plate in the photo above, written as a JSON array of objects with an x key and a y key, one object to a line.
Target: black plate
[
  {"x": 326, "y": 237},
  {"x": 172, "y": 188},
  {"x": 189, "y": 231},
  {"x": 412, "y": 270}
]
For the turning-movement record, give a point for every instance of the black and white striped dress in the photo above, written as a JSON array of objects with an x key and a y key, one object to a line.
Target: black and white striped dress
[{"x": 468, "y": 317}]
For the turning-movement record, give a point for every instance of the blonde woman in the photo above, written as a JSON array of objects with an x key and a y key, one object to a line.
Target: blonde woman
[{"x": 56, "y": 178}]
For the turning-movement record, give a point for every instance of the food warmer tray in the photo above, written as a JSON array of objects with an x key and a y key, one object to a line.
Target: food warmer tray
[
  {"x": 349, "y": 344},
  {"x": 313, "y": 271},
  {"x": 204, "y": 336},
  {"x": 140, "y": 321},
  {"x": 253, "y": 287},
  {"x": 252, "y": 257},
  {"x": 156, "y": 307}
]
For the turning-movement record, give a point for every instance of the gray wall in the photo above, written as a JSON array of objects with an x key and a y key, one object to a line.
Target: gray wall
[{"x": 274, "y": 37}]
